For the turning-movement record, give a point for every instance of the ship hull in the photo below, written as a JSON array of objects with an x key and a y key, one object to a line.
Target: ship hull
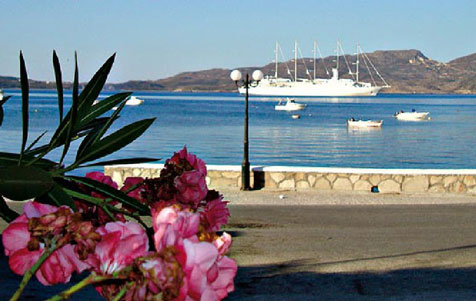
[{"x": 312, "y": 91}]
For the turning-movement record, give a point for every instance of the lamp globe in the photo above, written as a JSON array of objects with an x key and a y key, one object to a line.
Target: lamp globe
[{"x": 235, "y": 75}]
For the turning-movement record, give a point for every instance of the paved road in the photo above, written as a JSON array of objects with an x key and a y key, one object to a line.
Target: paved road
[
  {"x": 358, "y": 248},
  {"x": 354, "y": 252}
]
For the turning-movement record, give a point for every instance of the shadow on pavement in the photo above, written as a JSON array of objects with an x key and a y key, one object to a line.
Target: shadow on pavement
[{"x": 284, "y": 282}]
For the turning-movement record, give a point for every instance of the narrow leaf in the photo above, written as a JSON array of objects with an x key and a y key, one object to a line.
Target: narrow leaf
[
  {"x": 91, "y": 92},
  {"x": 108, "y": 124},
  {"x": 122, "y": 161},
  {"x": 5, "y": 212},
  {"x": 112, "y": 193},
  {"x": 4, "y": 100},
  {"x": 59, "y": 84},
  {"x": 116, "y": 140},
  {"x": 80, "y": 133},
  {"x": 7, "y": 159},
  {"x": 35, "y": 141},
  {"x": 103, "y": 106},
  {"x": 85, "y": 101},
  {"x": 73, "y": 110},
  {"x": 24, "y": 182},
  {"x": 57, "y": 196},
  {"x": 24, "y": 93}
]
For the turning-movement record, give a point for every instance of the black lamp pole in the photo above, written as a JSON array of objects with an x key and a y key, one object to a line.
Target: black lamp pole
[{"x": 245, "y": 165}]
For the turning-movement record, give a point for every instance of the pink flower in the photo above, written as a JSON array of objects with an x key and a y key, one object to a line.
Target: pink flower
[
  {"x": 121, "y": 243},
  {"x": 192, "y": 160},
  {"x": 223, "y": 243},
  {"x": 172, "y": 225},
  {"x": 92, "y": 212},
  {"x": 215, "y": 214},
  {"x": 57, "y": 268},
  {"x": 100, "y": 177},
  {"x": 209, "y": 276},
  {"x": 136, "y": 193},
  {"x": 191, "y": 187}
]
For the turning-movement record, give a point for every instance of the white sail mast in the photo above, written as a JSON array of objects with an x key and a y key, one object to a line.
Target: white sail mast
[
  {"x": 295, "y": 60},
  {"x": 315, "y": 48},
  {"x": 337, "y": 56},
  {"x": 357, "y": 64},
  {"x": 276, "y": 60}
]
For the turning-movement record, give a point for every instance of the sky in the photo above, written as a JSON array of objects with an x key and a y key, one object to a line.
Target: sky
[{"x": 155, "y": 39}]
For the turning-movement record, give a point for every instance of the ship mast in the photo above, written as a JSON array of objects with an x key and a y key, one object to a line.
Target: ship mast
[
  {"x": 295, "y": 60},
  {"x": 357, "y": 64},
  {"x": 276, "y": 60},
  {"x": 315, "y": 47},
  {"x": 337, "y": 57}
]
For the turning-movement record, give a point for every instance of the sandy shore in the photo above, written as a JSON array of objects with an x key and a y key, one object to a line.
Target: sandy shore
[{"x": 340, "y": 246}]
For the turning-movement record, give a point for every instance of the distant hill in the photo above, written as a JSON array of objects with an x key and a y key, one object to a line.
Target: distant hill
[{"x": 406, "y": 71}]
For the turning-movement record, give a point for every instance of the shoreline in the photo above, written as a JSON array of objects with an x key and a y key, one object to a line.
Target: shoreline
[{"x": 442, "y": 94}]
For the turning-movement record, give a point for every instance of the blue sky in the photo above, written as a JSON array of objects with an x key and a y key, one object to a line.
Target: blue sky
[{"x": 155, "y": 39}]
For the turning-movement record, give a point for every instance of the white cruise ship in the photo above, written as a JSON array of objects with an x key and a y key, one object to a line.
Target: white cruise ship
[{"x": 334, "y": 86}]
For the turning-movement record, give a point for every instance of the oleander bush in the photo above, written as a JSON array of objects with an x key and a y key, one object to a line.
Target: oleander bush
[{"x": 74, "y": 224}]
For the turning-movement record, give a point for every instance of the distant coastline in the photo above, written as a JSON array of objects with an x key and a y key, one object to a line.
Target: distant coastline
[{"x": 407, "y": 71}]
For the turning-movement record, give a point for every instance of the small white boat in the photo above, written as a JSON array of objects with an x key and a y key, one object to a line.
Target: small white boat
[
  {"x": 134, "y": 101},
  {"x": 411, "y": 115},
  {"x": 295, "y": 116},
  {"x": 364, "y": 123},
  {"x": 1, "y": 94},
  {"x": 290, "y": 105}
]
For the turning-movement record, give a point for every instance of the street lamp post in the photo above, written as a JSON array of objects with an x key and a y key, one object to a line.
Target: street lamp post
[{"x": 246, "y": 83}]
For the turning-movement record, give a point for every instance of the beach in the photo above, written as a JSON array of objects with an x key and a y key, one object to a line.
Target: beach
[{"x": 303, "y": 245}]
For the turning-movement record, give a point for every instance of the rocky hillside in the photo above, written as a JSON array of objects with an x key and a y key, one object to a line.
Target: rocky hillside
[{"x": 406, "y": 71}]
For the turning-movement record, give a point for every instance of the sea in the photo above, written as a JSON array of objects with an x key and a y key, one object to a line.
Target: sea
[{"x": 210, "y": 125}]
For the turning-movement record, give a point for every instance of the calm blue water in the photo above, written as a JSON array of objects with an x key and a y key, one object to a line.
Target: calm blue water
[{"x": 211, "y": 125}]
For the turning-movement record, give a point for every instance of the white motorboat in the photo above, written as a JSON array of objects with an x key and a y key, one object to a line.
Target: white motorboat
[
  {"x": 1, "y": 94},
  {"x": 364, "y": 123},
  {"x": 313, "y": 86},
  {"x": 295, "y": 116},
  {"x": 414, "y": 115},
  {"x": 134, "y": 101},
  {"x": 290, "y": 105}
]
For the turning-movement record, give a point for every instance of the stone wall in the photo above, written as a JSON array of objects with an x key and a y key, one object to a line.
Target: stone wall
[{"x": 346, "y": 179}]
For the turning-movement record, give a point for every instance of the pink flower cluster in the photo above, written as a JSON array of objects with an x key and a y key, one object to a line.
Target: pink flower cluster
[
  {"x": 24, "y": 249},
  {"x": 187, "y": 259}
]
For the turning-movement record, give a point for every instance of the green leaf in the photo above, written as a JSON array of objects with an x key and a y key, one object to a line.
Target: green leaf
[
  {"x": 4, "y": 100},
  {"x": 106, "y": 126},
  {"x": 24, "y": 182},
  {"x": 85, "y": 101},
  {"x": 91, "y": 92},
  {"x": 35, "y": 141},
  {"x": 59, "y": 84},
  {"x": 97, "y": 133},
  {"x": 112, "y": 193},
  {"x": 122, "y": 161},
  {"x": 5, "y": 212},
  {"x": 58, "y": 197},
  {"x": 7, "y": 159},
  {"x": 73, "y": 110},
  {"x": 103, "y": 106},
  {"x": 24, "y": 93},
  {"x": 115, "y": 141}
]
